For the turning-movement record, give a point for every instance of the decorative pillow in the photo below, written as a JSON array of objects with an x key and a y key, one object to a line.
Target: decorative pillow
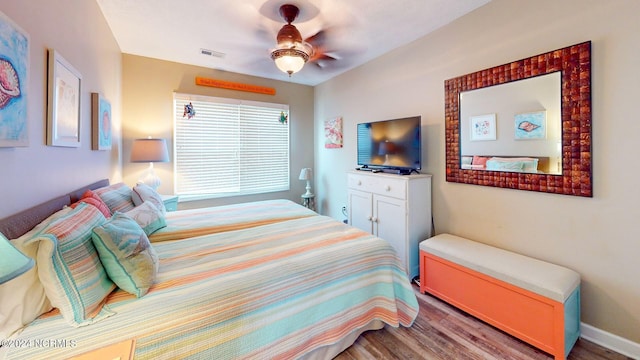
[
  {"x": 480, "y": 160},
  {"x": 148, "y": 217},
  {"x": 528, "y": 164},
  {"x": 126, "y": 254},
  {"x": 91, "y": 198},
  {"x": 142, "y": 192},
  {"x": 498, "y": 165},
  {"x": 117, "y": 197},
  {"x": 23, "y": 299},
  {"x": 69, "y": 267}
]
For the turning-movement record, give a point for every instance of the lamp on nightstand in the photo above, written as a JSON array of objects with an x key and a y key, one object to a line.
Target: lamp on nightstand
[
  {"x": 306, "y": 174},
  {"x": 13, "y": 263},
  {"x": 150, "y": 150},
  {"x": 308, "y": 199}
]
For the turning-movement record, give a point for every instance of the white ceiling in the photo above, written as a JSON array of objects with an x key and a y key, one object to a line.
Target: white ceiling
[{"x": 245, "y": 30}]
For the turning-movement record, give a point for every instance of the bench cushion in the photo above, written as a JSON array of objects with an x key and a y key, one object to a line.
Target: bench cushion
[{"x": 540, "y": 277}]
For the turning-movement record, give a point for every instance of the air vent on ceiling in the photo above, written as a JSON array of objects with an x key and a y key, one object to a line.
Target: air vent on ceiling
[{"x": 212, "y": 53}]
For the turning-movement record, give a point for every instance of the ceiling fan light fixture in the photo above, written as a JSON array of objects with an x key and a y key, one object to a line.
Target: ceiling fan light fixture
[{"x": 289, "y": 60}]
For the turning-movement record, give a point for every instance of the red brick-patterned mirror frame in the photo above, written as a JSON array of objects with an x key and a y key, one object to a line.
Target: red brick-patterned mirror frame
[{"x": 575, "y": 64}]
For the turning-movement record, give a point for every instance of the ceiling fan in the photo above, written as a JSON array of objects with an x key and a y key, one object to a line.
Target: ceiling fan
[{"x": 292, "y": 52}]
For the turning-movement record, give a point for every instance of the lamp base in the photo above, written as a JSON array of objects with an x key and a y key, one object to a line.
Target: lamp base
[
  {"x": 308, "y": 188},
  {"x": 150, "y": 178}
]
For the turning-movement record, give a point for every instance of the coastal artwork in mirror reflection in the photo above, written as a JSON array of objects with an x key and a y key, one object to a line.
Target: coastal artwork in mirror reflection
[{"x": 527, "y": 134}]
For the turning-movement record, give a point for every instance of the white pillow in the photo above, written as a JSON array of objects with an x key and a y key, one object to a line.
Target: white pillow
[
  {"x": 23, "y": 299},
  {"x": 143, "y": 192}
]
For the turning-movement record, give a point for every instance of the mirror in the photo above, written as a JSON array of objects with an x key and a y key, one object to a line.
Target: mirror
[
  {"x": 523, "y": 118},
  {"x": 501, "y": 129}
]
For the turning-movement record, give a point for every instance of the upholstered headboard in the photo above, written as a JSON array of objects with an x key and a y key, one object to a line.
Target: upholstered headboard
[{"x": 18, "y": 224}]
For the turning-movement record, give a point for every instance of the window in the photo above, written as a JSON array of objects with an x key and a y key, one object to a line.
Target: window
[{"x": 230, "y": 147}]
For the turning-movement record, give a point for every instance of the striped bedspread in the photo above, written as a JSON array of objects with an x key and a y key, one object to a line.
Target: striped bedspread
[
  {"x": 183, "y": 224},
  {"x": 277, "y": 291}
]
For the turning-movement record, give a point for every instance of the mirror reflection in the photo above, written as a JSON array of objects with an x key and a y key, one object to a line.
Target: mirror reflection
[{"x": 513, "y": 127}]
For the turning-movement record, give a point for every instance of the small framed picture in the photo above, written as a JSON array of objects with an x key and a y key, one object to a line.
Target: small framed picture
[
  {"x": 531, "y": 126},
  {"x": 63, "y": 102},
  {"x": 483, "y": 127},
  {"x": 100, "y": 123}
]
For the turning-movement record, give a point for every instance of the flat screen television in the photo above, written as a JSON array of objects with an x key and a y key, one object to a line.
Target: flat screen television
[{"x": 390, "y": 145}]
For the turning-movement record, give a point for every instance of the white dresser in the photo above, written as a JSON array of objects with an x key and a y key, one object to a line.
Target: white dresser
[{"x": 396, "y": 208}]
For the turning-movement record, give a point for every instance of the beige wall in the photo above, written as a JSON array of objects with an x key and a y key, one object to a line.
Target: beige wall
[
  {"x": 598, "y": 237},
  {"x": 38, "y": 172},
  {"x": 147, "y": 108}
]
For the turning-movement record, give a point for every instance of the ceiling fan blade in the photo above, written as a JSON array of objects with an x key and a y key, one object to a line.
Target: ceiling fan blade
[
  {"x": 317, "y": 57},
  {"x": 318, "y": 39}
]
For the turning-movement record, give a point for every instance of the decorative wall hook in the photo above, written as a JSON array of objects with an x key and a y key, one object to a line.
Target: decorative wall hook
[
  {"x": 284, "y": 118},
  {"x": 189, "y": 111}
]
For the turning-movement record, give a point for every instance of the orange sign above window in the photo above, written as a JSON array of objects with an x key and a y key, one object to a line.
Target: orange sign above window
[{"x": 235, "y": 86}]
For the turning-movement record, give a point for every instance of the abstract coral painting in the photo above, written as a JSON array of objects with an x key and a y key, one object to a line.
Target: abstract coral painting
[
  {"x": 14, "y": 68},
  {"x": 333, "y": 133}
]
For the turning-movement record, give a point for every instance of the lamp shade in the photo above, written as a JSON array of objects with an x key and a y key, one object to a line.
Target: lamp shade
[
  {"x": 289, "y": 60},
  {"x": 305, "y": 174},
  {"x": 12, "y": 262},
  {"x": 149, "y": 150}
]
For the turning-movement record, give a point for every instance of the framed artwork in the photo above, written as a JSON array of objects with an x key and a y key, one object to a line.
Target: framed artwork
[
  {"x": 100, "y": 123},
  {"x": 14, "y": 80},
  {"x": 531, "y": 126},
  {"x": 483, "y": 127},
  {"x": 333, "y": 133},
  {"x": 63, "y": 102}
]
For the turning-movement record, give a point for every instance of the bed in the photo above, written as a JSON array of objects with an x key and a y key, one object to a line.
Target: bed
[
  {"x": 524, "y": 164},
  {"x": 292, "y": 285},
  {"x": 202, "y": 221}
]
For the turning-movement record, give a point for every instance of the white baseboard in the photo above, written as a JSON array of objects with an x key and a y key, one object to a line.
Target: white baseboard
[{"x": 610, "y": 341}]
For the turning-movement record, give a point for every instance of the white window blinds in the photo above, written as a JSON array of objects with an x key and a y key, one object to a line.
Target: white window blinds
[{"x": 230, "y": 147}]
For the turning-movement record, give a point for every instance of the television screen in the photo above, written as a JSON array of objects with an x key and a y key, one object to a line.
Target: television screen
[{"x": 391, "y": 144}]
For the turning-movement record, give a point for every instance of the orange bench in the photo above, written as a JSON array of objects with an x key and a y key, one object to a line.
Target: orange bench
[{"x": 535, "y": 301}]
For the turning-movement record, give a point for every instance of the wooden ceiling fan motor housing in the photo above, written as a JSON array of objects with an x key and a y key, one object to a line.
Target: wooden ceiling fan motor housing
[{"x": 289, "y": 35}]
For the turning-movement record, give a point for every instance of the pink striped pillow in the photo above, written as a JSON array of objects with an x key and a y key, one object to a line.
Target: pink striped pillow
[{"x": 91, "y": 198}]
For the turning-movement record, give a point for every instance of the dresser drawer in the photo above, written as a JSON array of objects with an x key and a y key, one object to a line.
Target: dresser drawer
[{"x": 381, "y": 184}]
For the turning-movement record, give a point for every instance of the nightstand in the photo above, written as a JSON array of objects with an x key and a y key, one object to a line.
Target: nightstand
[
  {"x": 309, "y": 201},
  {"x": 170, "y": 202}
]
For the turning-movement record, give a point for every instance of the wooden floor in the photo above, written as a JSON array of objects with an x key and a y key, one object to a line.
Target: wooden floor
[{"x": 444, "y": 332}]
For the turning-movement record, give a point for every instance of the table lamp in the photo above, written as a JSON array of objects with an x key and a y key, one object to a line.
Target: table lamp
[
  {"x": 13, "y": 263},
  {"x": 150, "y": 150},
  {"x": 306, "y": 174}
]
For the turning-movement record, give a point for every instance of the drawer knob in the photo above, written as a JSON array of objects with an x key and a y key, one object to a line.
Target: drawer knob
[
  {"x": 359, "y": 182},
  {"x": 388, "y": 188}
]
